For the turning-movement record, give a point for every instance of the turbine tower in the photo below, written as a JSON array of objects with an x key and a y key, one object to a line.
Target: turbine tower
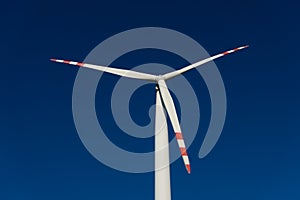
[
  {"x": 162, "y": 169},
  {"x": 163, "y": 100}
]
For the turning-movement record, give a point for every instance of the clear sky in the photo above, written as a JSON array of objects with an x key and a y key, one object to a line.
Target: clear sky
[{"x": 257, "y": 156}]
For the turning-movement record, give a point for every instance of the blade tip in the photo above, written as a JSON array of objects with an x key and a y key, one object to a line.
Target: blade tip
[
  {"x": 188, "y": 168},
  {"x": 53, "y": 60}
]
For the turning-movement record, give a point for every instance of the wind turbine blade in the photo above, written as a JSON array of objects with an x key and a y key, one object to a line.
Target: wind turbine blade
[
  {"x": 170, "y": 107},
  {"x": 120, "y": 72},
  {"x": 197, "y": 64}
]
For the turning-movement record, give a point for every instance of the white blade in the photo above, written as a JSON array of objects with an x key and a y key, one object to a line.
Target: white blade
[
  {"x": 182, "y": 70},
  {"x": 170, "y": 107},
  {"x": 120, "y": 72}
]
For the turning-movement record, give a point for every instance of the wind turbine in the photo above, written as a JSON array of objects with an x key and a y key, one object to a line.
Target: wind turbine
[{"x": 163, "y": 99}]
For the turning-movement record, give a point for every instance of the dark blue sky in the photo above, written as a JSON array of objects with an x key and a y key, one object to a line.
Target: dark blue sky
[{"x": 257, "y": 156}]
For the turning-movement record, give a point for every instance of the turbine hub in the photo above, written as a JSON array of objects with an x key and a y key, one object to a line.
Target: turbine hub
[{"x": 158, "y": 78}]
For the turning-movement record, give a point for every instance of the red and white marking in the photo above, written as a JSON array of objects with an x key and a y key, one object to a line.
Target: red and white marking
[
  {"x": 234, "y": 50},
  {"x": 183, "y": 151},
  {"x": 68, "y": 62}
]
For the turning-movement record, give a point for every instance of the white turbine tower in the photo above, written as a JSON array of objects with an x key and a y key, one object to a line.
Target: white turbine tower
[{"x": 163, "y": 99}]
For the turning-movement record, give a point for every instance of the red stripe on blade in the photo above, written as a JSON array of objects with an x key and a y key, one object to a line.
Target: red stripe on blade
[
  {"x": 80, "y": 64},
  {"x": 188, "y": 168},
  {"x": 183, "y": 151},
  {"x": 178, "y": 135}
]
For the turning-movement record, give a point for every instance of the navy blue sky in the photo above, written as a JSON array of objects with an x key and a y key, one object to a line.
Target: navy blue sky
[{"x": 257, "y": 156}]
